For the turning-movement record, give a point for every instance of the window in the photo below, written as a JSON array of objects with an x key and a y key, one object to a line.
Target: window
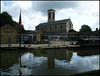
[
  {"x": 42, "y": 29},
  {"x": 50, "y": 28},
  {"x": 60, "y": 26},
  {"x": 53, "y": 15},
  {"x": 45, "y": 28},
  {"x": 49, "y": 15},
  {"x": 69, "y": 26},
  {"x": 55, "y": 27}
]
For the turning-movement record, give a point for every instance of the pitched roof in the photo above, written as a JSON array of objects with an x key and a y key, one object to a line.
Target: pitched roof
[
  {"x": 54, "y": 22},
  {"x": 72, "y": 30},
  {"x": 6, "y": 25}
]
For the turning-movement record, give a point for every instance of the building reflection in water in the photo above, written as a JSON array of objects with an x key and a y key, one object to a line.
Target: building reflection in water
[
  {"x": 61, "y": 54},
  {"x": 65, "y": 55},
  {"x": 34, "y": 58},
  {"x": 50, "y": 59},
  {"x": 10, "y": 58}
]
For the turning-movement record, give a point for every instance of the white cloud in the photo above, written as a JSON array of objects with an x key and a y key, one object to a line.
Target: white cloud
[
  {"x": 33, "y": 13},
  {"x": 76, "y": 25},
  {"x": 23, "y": 5}
]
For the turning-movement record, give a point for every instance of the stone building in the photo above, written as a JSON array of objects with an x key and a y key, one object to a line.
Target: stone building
[
  {"x": 8, "y": 34},
  {"x": 52, "y": 27},
  {"x": 72, "y": 35}
]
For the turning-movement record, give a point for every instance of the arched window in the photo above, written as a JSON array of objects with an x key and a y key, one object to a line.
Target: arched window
[
  {"x": 49, "y": 15},
  {"x": 53, "y": 15}
]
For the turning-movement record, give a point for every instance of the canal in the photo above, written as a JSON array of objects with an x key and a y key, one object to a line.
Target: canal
[{"x": 49, "y": 62}]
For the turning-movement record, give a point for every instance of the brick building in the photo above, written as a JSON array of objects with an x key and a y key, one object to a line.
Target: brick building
[
  {"x": 8, "y": 34},
  {"x": 55, "y": 27}
]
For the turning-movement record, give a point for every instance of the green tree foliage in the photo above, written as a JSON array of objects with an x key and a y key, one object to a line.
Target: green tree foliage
[
  {"x": 7, "y": 19},
  {"x": 85, "y": 28},
  {"x": 85, "y": 31}
]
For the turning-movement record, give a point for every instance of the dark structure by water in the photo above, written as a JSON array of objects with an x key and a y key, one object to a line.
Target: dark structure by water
[{"x": 88, "y": 42}]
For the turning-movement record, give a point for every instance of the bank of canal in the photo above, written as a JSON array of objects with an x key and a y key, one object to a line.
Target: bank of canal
[{"x": 49, "y": 62}]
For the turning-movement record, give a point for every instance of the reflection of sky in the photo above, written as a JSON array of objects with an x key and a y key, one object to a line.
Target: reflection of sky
[
  {"x": 36, "y": 65},
  {"x": 29, "y": 59},
  {"x": 81, "y": 63},
  {"x": 87, "y": 63}
]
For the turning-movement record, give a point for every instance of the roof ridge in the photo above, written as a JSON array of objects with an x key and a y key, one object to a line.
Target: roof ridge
[{"x": 54, "y": 21}]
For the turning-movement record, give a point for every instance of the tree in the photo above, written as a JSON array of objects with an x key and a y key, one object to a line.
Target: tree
[
  {"x": 7, "y": 19},
  {"x": 85, "y": 28},
  {"x": 85, "y": 31}
]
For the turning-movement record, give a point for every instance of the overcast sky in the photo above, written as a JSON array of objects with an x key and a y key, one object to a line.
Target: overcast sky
[{"x": 35, "y": 12}]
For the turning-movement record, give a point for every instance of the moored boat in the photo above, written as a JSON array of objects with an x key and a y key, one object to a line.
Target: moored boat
[{"x": 88, "y": 42}]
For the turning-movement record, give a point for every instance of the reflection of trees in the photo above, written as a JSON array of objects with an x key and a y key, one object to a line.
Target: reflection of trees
[
  {"x": 8, "y": 58},
  {"x": 88, "y": 53},
  {"x": 12, "y": 57}
]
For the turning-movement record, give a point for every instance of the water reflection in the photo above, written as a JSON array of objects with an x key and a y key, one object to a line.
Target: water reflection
[
  {"x": 61, "y": 54},
  {"x": 88, "y": 52},
  {"x": 51, "y": 62},
  {"x": 58, "y": 54},
  {"x": 8, "y": 59},
  {"x": 50, "y": 59}
]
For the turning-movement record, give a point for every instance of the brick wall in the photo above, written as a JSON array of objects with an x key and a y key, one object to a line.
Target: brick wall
[{"x": 8, "y": 34}]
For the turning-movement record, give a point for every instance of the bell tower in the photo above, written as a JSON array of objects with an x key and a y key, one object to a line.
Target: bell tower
[{"x": 51, "y": 15}]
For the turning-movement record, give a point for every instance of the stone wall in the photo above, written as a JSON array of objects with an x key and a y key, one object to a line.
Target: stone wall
[
  {"x": 57, "y": 28},
  {"x": 8, "y": 34},
  {"x": 67, "y": 25}
]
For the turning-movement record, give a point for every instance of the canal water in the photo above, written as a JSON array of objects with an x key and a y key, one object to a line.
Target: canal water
[{"x": 49, "y": 62}]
